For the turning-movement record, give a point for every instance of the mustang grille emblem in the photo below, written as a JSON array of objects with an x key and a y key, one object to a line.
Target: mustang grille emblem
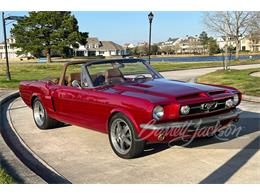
[{"x": 209, "y": 105}]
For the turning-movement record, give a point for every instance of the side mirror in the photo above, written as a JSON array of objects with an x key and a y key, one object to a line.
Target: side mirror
[{"x": 75, "y": 83}]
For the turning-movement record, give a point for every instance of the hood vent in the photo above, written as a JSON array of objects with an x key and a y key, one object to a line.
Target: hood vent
[
  {"x": 216, "y": 92},
  {"x": 189, "y": 96}
]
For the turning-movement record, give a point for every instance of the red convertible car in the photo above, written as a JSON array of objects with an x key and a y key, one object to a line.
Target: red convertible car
[{"x": 130, "y": 101}]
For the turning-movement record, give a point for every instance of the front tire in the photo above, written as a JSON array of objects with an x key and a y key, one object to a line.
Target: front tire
[
  {"x": 123, "y": 137},
  {"x": 41, "y": 118}
]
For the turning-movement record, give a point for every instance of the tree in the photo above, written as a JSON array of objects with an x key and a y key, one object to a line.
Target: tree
[
  {"x": 212, "y": 46},
  {"x": 193, "y": 44},
  {"x": 203, "y": 39},
  {"x": 255, "y": 22},
  {"x": 47, "y": 31},
  {"x": 154, "y": 49},
  {"x": 176, "y": 48},
  {"x": 144, "y": 49},
  {"x": 166, "y": 49},
  {"x": 135, "y": 51},
  {"x": 230, "y": 24}
]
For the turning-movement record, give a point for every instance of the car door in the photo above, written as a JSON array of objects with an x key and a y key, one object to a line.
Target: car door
[{"x": 71, "y": 104}]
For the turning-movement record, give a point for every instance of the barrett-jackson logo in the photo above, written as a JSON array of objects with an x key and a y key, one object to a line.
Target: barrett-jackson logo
[{"x": 209, "y": 106}]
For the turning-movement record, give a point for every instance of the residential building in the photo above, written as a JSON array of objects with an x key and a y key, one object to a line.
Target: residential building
[
  {"x": 221, "y": 42},
  {"x": 185, "y": 45},
  {"x": 10, "y": 49},
  {"x": 248, "y": 43},
  {"x": 95, "y": 47},
  {"x": 245, "y": 44},
  {"x": 141, "y": 44},
  {"x": 129, "y": 46},
  {"x": 251, "y": 43},
  {"x": 168, "y": 43}
]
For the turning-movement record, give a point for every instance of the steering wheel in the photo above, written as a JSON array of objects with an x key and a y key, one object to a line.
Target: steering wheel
[{"x": 139, "y": 76}]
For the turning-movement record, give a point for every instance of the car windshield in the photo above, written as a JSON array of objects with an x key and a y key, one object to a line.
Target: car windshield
[{"x": 118, "y": 72}]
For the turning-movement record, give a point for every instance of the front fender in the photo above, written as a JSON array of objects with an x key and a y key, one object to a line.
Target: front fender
[{"x": 126, "y": 113}]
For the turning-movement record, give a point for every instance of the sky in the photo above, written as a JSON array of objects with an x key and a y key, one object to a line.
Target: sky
[{"x": 132, "y": 27}]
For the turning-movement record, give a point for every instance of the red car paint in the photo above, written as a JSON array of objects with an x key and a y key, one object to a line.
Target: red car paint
[{"x": 93, "y": 107}]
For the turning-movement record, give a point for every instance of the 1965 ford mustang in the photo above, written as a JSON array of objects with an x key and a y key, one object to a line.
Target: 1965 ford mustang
[{"x": 130, "y": 101}]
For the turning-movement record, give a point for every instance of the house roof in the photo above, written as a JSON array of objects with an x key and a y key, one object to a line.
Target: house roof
[
  {"x": 92, "y": 40},
  {"x": 107, "y": 45},
  {"x": 174, "y": 39}
]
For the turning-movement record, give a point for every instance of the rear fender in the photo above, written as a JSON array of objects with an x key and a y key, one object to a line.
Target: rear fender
[{"x": 36, "y": 95}]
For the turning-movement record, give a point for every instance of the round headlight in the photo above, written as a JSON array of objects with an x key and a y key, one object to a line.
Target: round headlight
[
  {"x": 185, "y": 110},
  {"x": 158, "y": 112},
  {"x": 235, "y": 99},
  {"x": 229, "y": 103}
]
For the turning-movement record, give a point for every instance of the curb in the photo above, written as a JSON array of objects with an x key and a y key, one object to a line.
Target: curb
[
  {"x": 20, "y": 149},
  {"x": 250, "y": 98}
]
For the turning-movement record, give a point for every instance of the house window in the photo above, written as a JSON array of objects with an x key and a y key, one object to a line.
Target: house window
[{"x": 101, "y": 52}]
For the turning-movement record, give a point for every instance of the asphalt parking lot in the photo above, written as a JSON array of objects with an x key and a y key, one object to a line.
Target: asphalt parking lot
[{"x": 84, "y": 156}]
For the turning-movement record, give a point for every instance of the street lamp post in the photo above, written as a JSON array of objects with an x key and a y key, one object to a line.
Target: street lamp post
[
  {"x": 150, "y": 17},
  {"x": 8, "y": 75}
]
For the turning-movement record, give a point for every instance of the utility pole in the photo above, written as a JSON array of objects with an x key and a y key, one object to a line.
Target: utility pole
[
  {"x": 8, "y": 75},
  {"x": 14, "y": 18},
  {"x": 150, "y": 17}
]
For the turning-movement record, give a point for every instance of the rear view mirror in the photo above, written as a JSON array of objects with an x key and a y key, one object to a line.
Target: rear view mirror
[
  {"x": 75, "y": 83},
  {"x": 118, "y": 65}
]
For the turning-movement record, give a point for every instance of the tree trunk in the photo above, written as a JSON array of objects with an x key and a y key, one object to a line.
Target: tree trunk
[
  {"x": 237, "y": 49},
  {"x": 226, "y": 58},
  {"x": 49, "y": 56}
]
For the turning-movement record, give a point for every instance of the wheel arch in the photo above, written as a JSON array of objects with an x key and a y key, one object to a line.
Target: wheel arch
[
  {"x": 124, "y": 112},
  {"x": 34, "y": 96}
]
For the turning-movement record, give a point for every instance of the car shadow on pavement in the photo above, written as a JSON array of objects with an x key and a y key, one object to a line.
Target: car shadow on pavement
[
  {"x": 152, "y": 148},
  {"x": 250, "y": 125},
  {"x": 225, "y": 171}
]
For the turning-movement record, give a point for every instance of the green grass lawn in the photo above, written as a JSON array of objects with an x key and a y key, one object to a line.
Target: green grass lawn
[
  {"x": 25, "y": 71},
  {"x": 5, "y": 178},
  {"x": 239, "y": 79},
  {"x": 167, "y": 66},
  {"x": 20, "y": 72}
]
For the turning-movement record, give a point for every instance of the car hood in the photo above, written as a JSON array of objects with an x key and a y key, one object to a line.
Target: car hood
[{"x": 163, "y": 89}]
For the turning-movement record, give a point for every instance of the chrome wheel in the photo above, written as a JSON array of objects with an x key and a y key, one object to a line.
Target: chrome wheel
[
  {"x": 121, "y": 136},
  {"x": 38, "y": 113}
]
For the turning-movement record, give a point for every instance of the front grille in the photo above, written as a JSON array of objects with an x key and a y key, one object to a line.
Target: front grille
[{"x": 215, "y": 106}]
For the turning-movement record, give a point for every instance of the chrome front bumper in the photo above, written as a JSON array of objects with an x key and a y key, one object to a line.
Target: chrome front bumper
[{"x": 195, "y": 122}]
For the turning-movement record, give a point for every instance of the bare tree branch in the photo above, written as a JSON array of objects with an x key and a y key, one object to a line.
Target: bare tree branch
[{"x": 232, "y": 24}]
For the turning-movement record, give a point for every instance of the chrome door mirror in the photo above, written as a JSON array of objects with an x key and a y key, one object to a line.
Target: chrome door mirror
[{"x": 75, "y": 83}]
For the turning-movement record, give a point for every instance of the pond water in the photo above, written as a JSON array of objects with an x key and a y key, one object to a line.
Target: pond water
[{"x": 202, "y": 58}]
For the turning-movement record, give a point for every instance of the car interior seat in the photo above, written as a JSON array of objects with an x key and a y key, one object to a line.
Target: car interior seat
[
  {"x": 114, "y": 76},
  {"x": 74, "y": 76}
]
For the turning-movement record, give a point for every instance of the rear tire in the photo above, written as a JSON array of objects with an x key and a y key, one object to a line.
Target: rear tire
[
  {"x": 123, "y": 137},
  {"x": 41, "y": 118}
]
